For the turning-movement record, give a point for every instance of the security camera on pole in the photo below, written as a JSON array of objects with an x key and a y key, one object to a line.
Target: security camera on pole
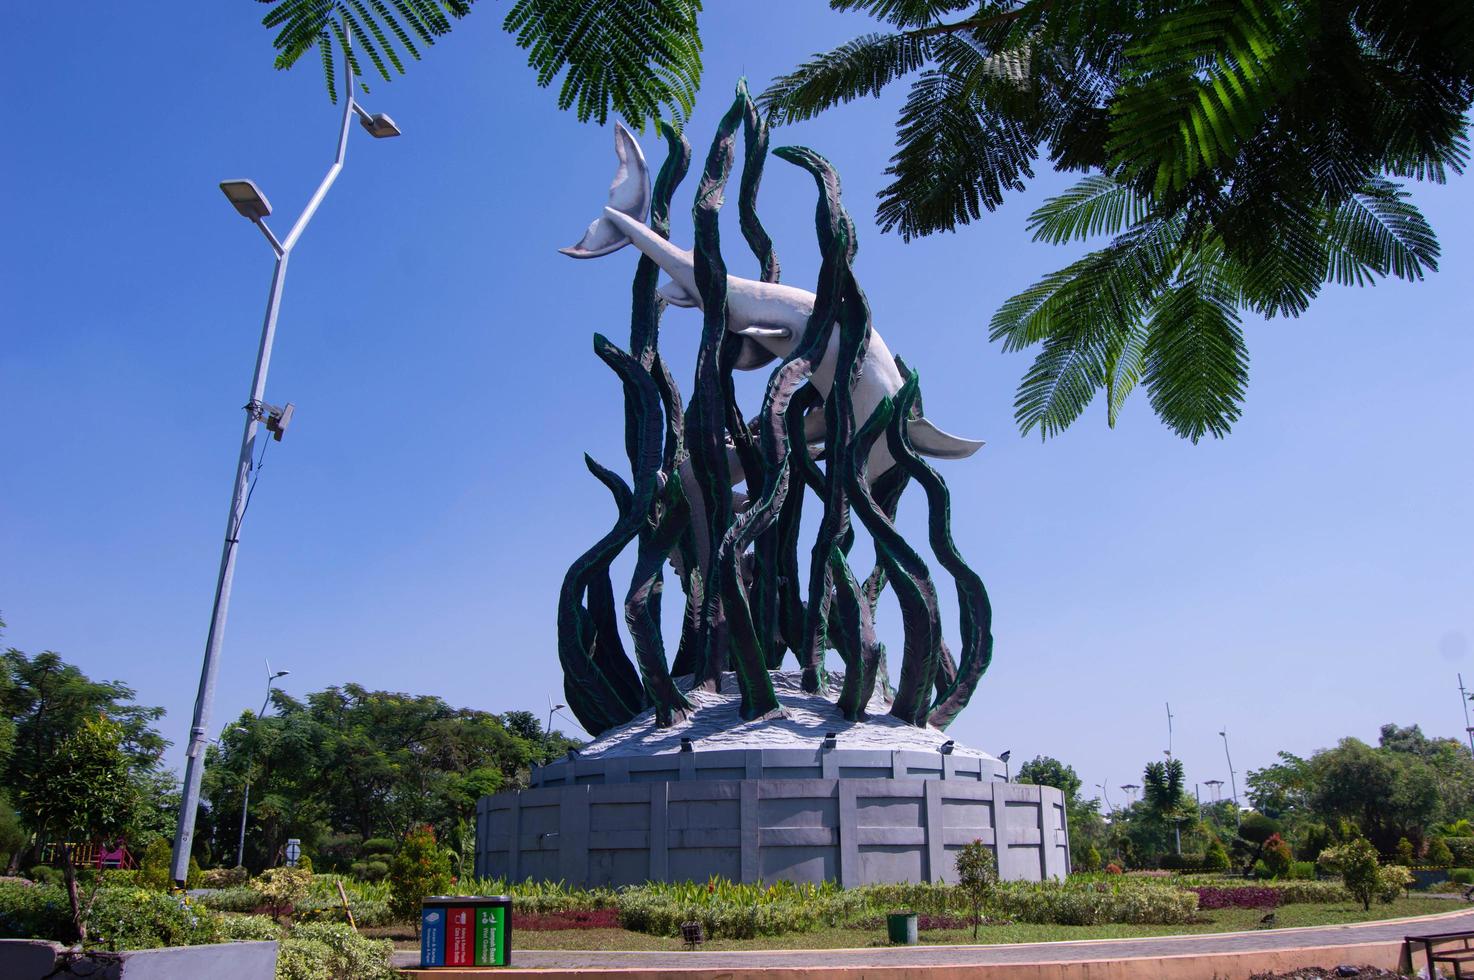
[{"x": 252, "y": 204}]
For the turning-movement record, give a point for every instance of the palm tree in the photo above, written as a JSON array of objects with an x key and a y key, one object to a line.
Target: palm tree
[{"x": 1163, "y": 785}]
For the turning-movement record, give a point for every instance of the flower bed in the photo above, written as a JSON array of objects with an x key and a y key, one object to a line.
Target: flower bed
[{"x": 1243, "y": 897}]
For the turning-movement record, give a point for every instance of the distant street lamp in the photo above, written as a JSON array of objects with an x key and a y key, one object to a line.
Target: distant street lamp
[
  {"x": 1003, "y": 758},
  {"x": 1216, "y": 785},
  {"x": 240, "y": 851},
  {"x": 1233, "y": 781},
  {"x": 1130, "y": 789},
  {"x": 252, "y": 204}
]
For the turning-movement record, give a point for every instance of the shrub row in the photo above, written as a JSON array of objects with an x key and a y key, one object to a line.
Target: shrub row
[{"x": 1243, "y": 897}]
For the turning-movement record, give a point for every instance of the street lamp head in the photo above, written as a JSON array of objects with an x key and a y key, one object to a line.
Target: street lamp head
[
  {"x": 1005, "y": 755},
  {"x": 280, "y": 673},
  {"x": 247, "y": 198},
  {"x": 559, "y": 707},
  {"x": 378, "y": 125}
]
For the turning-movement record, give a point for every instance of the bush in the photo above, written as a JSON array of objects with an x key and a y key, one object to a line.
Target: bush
[
  {"x": 43, "y": 874},
  {"x": 1210, "y": 897},
  {"x": 1277, "y": 857},
  {"x": 977, "y": 877},
  {"x": 1439, "y": 856},
  {"x": 248, "y": 928},
  {"x": 1310, "y": 892},
  {"x": 1359, "y": 868},
  {"x": 420, "y": 868},
  {"x": 1257, "y": 828},
  {"x": 1462, "y": 849},
  {"x": 1113, "y": 868},
  {"x": 233, "y": 900},
  {"x": 1392, "y": 881},
  {"x": 225, "y": 878},
  {"x": 741, "y": 911},
  {"x": 1405, "y": 854},
  {"x": 1301, "y": 871},
  {"x": 153, "y": 869},
  {"x": 325, "y": 951},
  {"x": 1215, "y": 858},
  {"x": 1136, "y": 903},
  {"x": 1464, "y": 876},
  {"x": 280, "y": 889},
  {"x": 1089, "y": 859},
  {"x": 30, "y": 911},
  {"x": 141, "y": 918},
  {"x": 1183, "y": 862}
]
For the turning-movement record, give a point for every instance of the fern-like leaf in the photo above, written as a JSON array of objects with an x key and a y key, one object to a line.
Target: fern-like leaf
[
  {"x": 640, "y": 58},
  {"x": 382, "y": 30}
]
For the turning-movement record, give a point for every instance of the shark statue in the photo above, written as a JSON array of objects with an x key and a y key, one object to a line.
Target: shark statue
[{"x": 769, "y": 316}]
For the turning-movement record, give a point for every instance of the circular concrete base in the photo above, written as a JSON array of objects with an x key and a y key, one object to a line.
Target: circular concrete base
[{"x": 855, "y": 816}]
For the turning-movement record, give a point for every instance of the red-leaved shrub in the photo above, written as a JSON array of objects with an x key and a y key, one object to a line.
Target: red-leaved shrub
[{"x": 1245, "y": 897}]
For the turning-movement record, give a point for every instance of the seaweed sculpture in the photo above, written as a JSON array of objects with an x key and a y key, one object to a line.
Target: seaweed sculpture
[{"x": 841, "y": 417}]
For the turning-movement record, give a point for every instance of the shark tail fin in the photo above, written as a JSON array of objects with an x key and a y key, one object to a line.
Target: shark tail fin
[
  {"x": 932, "y": 441},
  {"x": 629, "y": 194}
]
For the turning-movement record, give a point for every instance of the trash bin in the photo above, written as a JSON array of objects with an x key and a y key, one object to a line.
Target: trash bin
[
  {"x": 466, "y": 930},
  {"x": 901, "y": 927}
]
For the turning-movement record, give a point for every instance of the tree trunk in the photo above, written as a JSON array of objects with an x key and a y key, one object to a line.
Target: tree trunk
[{"x": 69, "y": 873}]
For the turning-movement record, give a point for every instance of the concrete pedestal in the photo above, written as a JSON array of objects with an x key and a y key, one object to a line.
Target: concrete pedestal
[{"x": 855, "y": 816}]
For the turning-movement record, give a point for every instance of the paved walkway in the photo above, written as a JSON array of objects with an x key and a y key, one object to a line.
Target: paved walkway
[{"x": 1263, "y": 940}]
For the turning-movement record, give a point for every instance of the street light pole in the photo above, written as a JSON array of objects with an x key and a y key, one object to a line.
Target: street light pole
[
  {"x": 1233, "y": 781},
  {"x": 256, "y": 208},
  {"x": 240, "y": 851},
  {"x": 1464, "y": 700}
]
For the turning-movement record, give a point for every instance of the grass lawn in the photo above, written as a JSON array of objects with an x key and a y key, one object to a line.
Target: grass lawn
[{"x": 1219, "y": 920}]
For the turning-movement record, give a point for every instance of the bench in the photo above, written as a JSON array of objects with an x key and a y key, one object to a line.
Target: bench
[{"x": 1455, "y": 949}]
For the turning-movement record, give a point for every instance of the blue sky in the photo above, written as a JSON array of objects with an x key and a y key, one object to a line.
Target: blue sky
[{"x": 1309, "y": 577}]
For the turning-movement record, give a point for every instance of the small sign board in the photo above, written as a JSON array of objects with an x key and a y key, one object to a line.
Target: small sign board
[{"x": 466, "y": 930}]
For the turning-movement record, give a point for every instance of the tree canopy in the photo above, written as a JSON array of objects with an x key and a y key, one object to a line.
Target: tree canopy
[
  {"x": 639, "y": 58},
  {"x": 348, "y": 762},
  {"x": 44, "y": 702},
  {"x": 1238, "y": 156}
]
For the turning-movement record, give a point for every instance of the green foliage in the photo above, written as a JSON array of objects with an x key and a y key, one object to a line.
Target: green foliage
[
  {"x": 12, "y": 834},
  {"x": 237, "y": 899},
  {"x": 334, "y": 769},
  {"x": 34, "y": 912},
  {"x": 249, "y": 928},
  {"x": 1464, "y": 876},
  {"x": 1215, "y": 858},
  {"x": 1462, "y": 849},
  {"x": 1257, "y": 828},
  {"x": 1404, "y": 851},
  {"x": 44, "y": 701},
  {"x": 1044, "y": 770},
  {"x": 977, "y": 877},
  {"x": 85, "y": 792},
  {"x": 1392, "y": 881},
  {"x": 280, "y": 889},
  {"x": 153, "y": 867},
  {"x": 1240, "y": 157},
  {"x": 420, "y": 868},
  {"x": 1356, "y": 862},
  {"x": 43, "y": 874},
  {"x": 326, "y": 952},
  {"x": 1301, "y": 870},
  {"x": 1439, "y": 855},
  {"x": 637, "y": 57},
  {"x": 1089, "y": 859},
  {"x": 140, "y": 918},
  {"x": 1277, "y": 857},
  {"x": 224, "y": 878}
]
